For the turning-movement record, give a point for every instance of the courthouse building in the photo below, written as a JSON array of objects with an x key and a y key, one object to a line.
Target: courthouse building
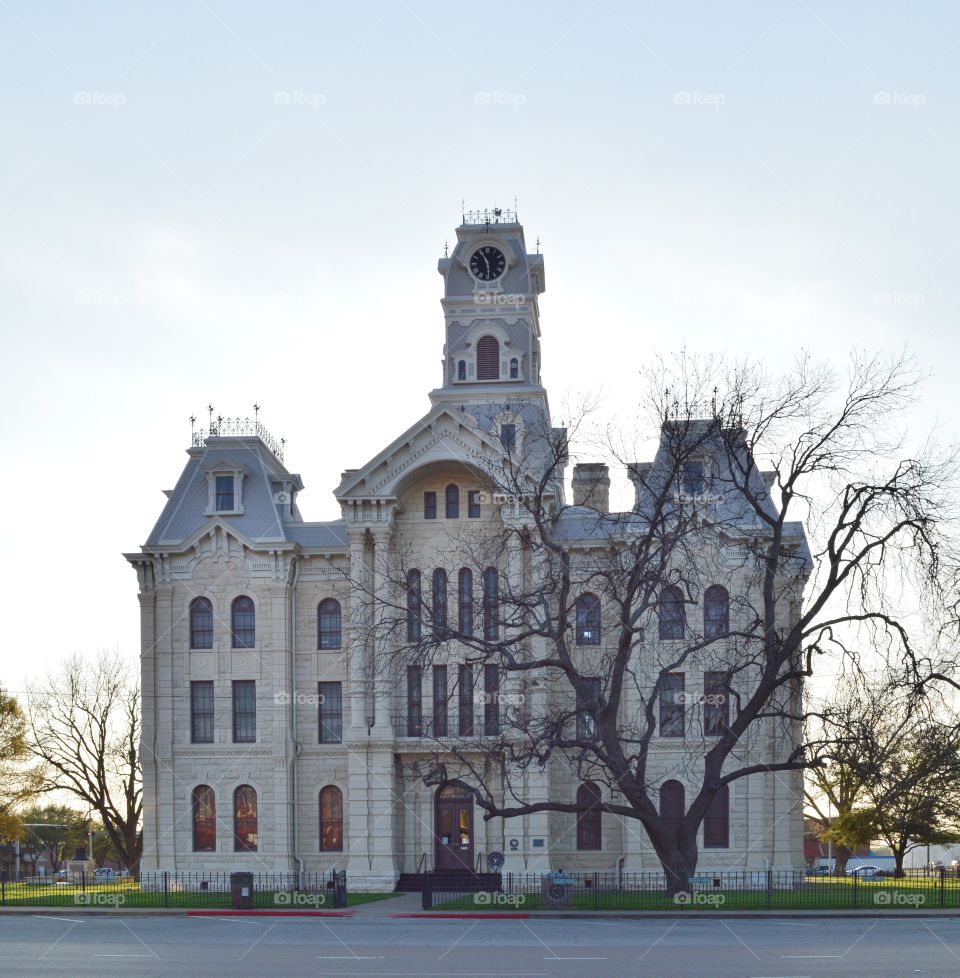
[{"x": 271, "y": 739}]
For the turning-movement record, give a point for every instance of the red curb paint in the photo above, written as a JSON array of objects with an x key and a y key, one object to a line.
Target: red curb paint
[
  {"x": 270, "y": 913},
  {"x": 467, "y": 916}
]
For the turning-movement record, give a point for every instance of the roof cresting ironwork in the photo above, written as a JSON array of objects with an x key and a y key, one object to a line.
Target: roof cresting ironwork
[
  {"x": 220, "y": 427},
  {"x": 490, "y": 215}
]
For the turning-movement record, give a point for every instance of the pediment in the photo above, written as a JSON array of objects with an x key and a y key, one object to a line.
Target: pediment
[{"x": 444, "y": 435}]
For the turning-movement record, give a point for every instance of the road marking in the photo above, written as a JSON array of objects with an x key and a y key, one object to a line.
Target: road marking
[
  {"x": 811, "y": 955},
  {"x": 124, "y": 955},
  {"x": 68, "y": 920},
  {"x": 349, "y": 957},
  {"x": 557, "y": 957}
]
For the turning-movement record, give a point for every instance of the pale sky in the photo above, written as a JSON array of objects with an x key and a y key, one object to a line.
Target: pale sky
[{"x": 228, "y": 203}]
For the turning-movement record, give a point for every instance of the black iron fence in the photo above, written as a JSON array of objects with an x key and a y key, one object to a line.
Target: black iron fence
[
  {"x": 742, "y": 890},
  {"x": 214, "y": 891}
]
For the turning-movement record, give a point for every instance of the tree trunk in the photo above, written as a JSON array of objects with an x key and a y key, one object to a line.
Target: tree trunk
[
  {"x": 678, "y": 856},
  {"x": 841, "y": 855}
]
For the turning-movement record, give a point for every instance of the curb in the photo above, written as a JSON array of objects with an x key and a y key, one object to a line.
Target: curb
[
  {"x": 462, "y": 916},
  {"x": 270, "y": 913}
]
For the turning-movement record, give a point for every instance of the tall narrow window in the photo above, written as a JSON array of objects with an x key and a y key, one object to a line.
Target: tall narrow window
[
  {"x": 671, "y": 613},
  {"x": 245, "y": 819},
  {"x": 414, "y": 701},
  {"x": 223, "y": 492},
  {"x": 429, "y": 505},
  {"x": 508, "y": 436},
  {"x": 201, "y": 624},
  {"x": 473, "y": 504},
  {"x": 716, "y": 823},
  {"x": 588, "y": 818},
  {"x": 586, "y": 724},
  {"x": 465, "y": 700},
  {"x": 329, "y": 624},
  {"x": 671, "y": 704},
  {"x": 672, "y": 805},
  {"x": 201, "y": 711},
  {"x": 243, "y": 623},
  {"x": 330, "y": 712},
  {"x": 491, "y": 700},
  {"x": 331, "y": 819},
  {"x": 452, "y": 502},
  {"x": 716, "y": 703},
  {"x": 465, "y": 601},
  {"x": 461, "y": 370},
  {"x": 244, "y": 711},
  {"x": 204, "y": 807},
  {"x": 588, "y": 619},
  {"x": 692, "y": 478},
  {"x": 439, "y": 610},
  {"x": 440, "y": 701},
  {"x": 491, "y": 604},
  {"x": 414, "y": 606},
  {"x": 514, "y": 368},
  {"x": 716, "y": 612},
  {"x": 488, "y": 358}
]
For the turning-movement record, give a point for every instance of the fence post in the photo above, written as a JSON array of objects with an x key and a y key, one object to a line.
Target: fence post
[
  {"x": 83, "y": 881},
  {"x": 166, "y": 890},
  {"x": 3, "y": 890},
  {"x": 596, "y": 891},
  {"x": 943, "y": 874},
  {"x": 856, "y": 877},
  {"x": 426, "y": 894},
  {"x": 769, "y": 888}
]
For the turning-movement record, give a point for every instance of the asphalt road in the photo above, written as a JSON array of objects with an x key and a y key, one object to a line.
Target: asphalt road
[{"x": 178, "y": 947}]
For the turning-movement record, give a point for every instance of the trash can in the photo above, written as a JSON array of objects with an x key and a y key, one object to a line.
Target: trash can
[{"x": 241, "y": 891}]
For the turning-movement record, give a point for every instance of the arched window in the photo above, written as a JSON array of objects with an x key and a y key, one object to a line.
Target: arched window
[
  {"x": 439, "y": 596},
  {"x": 488, "y": 358},
  {"x": 201, "y": 624},
  {"x": 461, "y": 370},
  {"x": 672, "y": 805},
  {"x": 588, "y": 619},
  {"x": 414, "y": 606},
  {"x": 716, "y": 824},
  {"x": 588, "y": 819},
  {"x": 243, "y": 619},
  {"x": 671, "y": 613},
  {"x": 331, "y": 819},
  {"x": 204, "y": 806},
  {"x": 245, "y": 819},
  {"x": 452, "y": 497},
  {"x": 491, "y": 604},
  {"x": 514, "y": 368},
  {"x": 465, "y": 601},
  {"x": 716, "y": 612},
  {"x": 329, "y": 624}
]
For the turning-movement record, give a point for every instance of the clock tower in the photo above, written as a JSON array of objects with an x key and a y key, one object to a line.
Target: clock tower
[{"x": 491, "y": 313}]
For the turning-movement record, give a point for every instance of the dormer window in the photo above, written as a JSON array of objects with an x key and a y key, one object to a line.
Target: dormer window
[
  {"x": 224, "y": 498},
  {"x": 224, "y": 488},
  {"x": 508, "y": 436},
  {"x": 692, "y": 479}
]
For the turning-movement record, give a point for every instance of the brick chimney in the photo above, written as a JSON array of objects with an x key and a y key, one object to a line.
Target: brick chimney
[{"x": 591, "y": 486}]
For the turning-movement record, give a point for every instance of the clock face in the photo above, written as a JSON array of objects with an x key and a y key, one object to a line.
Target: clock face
[{"x": 488, "y": 263}]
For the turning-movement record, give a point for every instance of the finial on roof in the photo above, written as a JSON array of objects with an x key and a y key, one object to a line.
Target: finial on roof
[
  {"x": 256, "y": 412},
  {"x": 446, "y": 249},
  {"x": 193, "y": 421},
  {"x": 538, "y": 244}
]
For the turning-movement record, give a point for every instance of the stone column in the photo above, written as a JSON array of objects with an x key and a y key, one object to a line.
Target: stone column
[
  {"x": 382, "y": 667},
  {"x": 358, "y": 632}
]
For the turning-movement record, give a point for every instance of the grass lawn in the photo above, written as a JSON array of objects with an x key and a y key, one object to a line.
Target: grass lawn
[
  {"x": 127, "y": 893},
  {"x": 817, "y": 893}
]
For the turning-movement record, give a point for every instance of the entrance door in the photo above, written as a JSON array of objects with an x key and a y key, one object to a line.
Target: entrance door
[{"x": 453, "y": 829}]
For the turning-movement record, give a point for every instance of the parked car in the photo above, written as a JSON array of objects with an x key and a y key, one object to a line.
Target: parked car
[
  {"x": 868, "y": 873},
  {"x": 820, "y": 871},
  {"x": 104, "y": 874}
]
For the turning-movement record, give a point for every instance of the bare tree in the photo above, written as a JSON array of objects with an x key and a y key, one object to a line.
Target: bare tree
[
  {"x": 878, "y": 525},
  {"x": 84, "y": 728},
  {"x": 18, "y": 780}
]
